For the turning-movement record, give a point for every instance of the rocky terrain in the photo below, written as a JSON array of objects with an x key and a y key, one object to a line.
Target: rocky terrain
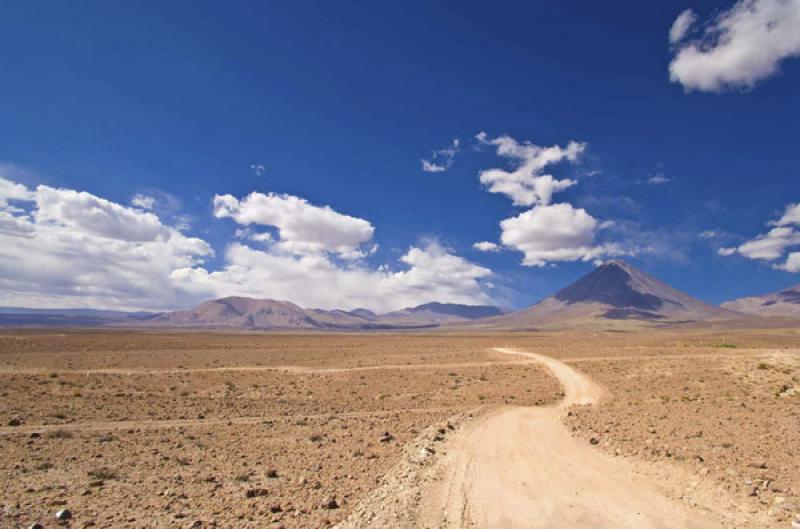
[{"x": 154, "y": 429}]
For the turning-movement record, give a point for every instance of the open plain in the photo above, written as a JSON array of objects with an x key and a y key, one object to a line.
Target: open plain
[{"x": 201, "y": 429}]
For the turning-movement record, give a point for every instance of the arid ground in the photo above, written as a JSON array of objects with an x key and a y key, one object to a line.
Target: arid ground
[{"x": 190, "y": 429}]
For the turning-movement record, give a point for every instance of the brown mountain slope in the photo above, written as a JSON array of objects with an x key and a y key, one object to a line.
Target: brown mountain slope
[
  {"x": 784, "y": 303},
  {"x": 238, "y": 312},
  {"x": 247, "y": 313},
  {"x": 615, "y": 291}
]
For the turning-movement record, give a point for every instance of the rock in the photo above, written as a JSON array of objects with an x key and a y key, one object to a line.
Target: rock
[
  {"x": 753, "y": 491},
  {"x": 255, "y": 493},
  {"x": 330, "y": 503},
  {"x": 594, "y": 440},
  {"x": 275, "y": 508},
  {"x": 796, "y": 524},
  {"x": 96, "y": 483},
  {"x": 64, "y": 514},
  {"x": 272, "y": 473},
  {"x": 35, "y": 435},
  {"x": 386, "y": 437},
  {"x": 14, "y": 422},
  {"x": 36, "y": 526}
]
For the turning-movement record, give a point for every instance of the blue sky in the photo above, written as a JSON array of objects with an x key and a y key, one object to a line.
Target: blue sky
[{"x": 339, "y": 102}]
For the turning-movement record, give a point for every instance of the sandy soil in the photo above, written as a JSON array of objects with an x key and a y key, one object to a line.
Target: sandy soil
[{"x": 138, "y": 429}]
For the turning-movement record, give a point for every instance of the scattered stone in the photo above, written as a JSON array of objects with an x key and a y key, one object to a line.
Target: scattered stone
[
  {"x": 255, "y": 493},
  {"x": 275, "y": 508},
  {"x": 14, "y": 422},
  {"x": 64, "y": 514},
  {"x": 330, "y": 503},
  {"x": 594, "y": 440},
  {"x": 35, "y": 435},
  {"x": 36, "y": 526},
  {"x": 272, "y": 473},
  {"x": 386, "y": 437},
  {"x": 96, "y": 483}
]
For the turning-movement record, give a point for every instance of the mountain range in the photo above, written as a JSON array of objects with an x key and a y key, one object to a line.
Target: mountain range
[
  {"x": 784, "y": 303},
  {"x": 613, "y": 292}
]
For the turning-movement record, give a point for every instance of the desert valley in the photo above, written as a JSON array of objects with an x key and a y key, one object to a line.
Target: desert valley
[{"x": 617, "y": 399}]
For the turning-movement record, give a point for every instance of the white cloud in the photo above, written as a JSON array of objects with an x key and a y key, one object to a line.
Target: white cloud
[
  {"x": 557, "y": 232},
  {"x": 708, "y": 234},
  {"x": 486, "y": 246},
  {"x": 739, "y": 47},
  {"x": 681, "y": 26},
  {"x": 70, "y": 248},
  {"x": 790, "y": 216},
  {"x": 95, "y": 216},
  {"x": 659, "y": 179},
  {"x": 546, "y": 232},
  {"x": 431, "y": 273},
  {"x": 792, "y": 263},
  {"x": 527, "y": 184},
  {"x": 770, "y": 246},
  {"x": 258, "y": 169},
  {"x": 303, "y": 228},
  {"x": 12, "y": 191},
  {"x": 776, "y": 243},
  {"x": 441, "y": 159},
  {"x": 65, "y": 248},
  {"x": 143, "y": 201}
]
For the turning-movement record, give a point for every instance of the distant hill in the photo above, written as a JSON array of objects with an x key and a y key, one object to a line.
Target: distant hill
[
  {"x": 248, "y": 313},
  {"x": 784, "y": 303},
  {"x": 611, "y": 292},
  {"x": 24, "y": 317}
]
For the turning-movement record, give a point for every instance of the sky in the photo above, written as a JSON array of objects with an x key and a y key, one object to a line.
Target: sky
[{"x": 382, "y": 155}]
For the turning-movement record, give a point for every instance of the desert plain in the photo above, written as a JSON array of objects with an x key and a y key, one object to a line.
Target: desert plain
[{"x": 143, "y": 429}]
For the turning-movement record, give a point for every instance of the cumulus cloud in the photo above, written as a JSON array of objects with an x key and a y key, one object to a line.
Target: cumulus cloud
[
  {"x": 68, "y": 248},
  {"x": 527, "y": 183},
  {"x": 738, "y": 48},
  {"x": 792, "y": 263},
  {"x": 429, "y": 273},
  {"x": 442, "y": 159},
  {"x": 775, "y": 243},
  {"x": 546, "y": 232},
  {"x": 63, "y": 247},
  {"x": 556, "y": 232},
  {"x": 302, "y": 227},
  {"x": 681, "y": 26},
  {"x": 486, "y": 246},
  {"x": 790, "y": 216}
]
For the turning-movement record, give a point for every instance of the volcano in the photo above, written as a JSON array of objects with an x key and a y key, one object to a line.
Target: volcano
[{"x": 616, "y": 290}]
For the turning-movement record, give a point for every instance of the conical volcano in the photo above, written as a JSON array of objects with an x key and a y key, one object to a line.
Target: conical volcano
[{"x": 616, "y": 290}]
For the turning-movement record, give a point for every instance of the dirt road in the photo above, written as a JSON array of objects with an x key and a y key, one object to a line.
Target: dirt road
[{"x": 519, "y": 467}]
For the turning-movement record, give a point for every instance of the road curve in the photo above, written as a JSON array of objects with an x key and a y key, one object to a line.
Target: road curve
[{"x": 519, "y": 468}]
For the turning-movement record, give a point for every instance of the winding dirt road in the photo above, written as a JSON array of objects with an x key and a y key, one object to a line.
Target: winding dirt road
[{"x": 519, "y": 468}]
